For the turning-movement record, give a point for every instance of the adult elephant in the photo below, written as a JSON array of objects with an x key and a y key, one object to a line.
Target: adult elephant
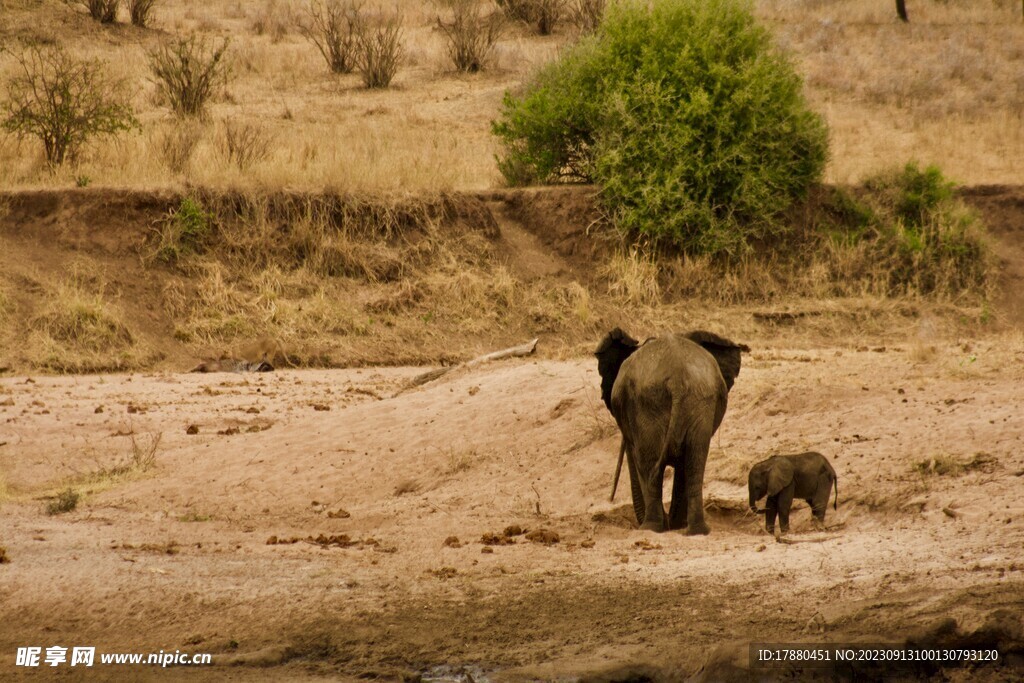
[{"x": 668, "y": 396}]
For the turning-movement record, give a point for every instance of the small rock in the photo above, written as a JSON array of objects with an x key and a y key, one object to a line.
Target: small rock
[
  {"x": 543, "y": 536},
  {"x": 487, "y": 550},
  {"x": 452, "y": 542},
  {"x": 192, "y": 429},
  {"x": 99, "y": 409}
]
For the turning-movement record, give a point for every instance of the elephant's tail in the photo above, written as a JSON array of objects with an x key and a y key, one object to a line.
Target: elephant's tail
[
  {"x": 835, "y": 503},
  {"x": 618, "y": 469}
]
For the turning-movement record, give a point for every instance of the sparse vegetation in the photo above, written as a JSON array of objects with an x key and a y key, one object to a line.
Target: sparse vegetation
[
  {"x": 65, "y": 501},
  {"x": 184, "y": 231},
  {"x": 177, "y": 145},
  {"x": 684, "y": 112},
  {"x": 470, "y": 35},
  {"x": 586, "y": 15},
  {"x": 103, "y": 11},
  {"x": 274, "y": 19},
  {"x": 910, "y": 223},
  {"x": 79, "y": 330},
  {"x": 141, "y": 11},
  {"x": 64, "y": 102},
  {"x": 331, "y": 26},
  {"x": 950, "y": 466},
  {"x": 378, "y": 48},
  {"x": 245, "y": 144},
  {"x": 549, "y": 14},
  {"x": 188, "y": 72},
  {"x": 519, "y": 10}
]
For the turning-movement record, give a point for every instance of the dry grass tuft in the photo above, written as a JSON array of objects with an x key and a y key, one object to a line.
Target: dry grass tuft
[
  {"x": 65, "y": 501},
  {"x": 633, "y": 277},
  {"x": 80, "y": 331}
]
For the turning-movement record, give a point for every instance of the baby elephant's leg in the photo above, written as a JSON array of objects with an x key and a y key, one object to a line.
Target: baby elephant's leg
[
  {"x": 771, "y": 508},
  {"x": 819, "y": 503},
  {"x": 785, "y": 503}
]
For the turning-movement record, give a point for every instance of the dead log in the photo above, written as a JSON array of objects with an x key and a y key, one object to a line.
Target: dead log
[{"x": 511, "y": 352}]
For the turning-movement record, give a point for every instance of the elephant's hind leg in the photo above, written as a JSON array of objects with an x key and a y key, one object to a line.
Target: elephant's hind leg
[
  {"x": 677, "y": 508},
  {"x": 636, "y": 489},
  {"x": 695, "y": 456}
]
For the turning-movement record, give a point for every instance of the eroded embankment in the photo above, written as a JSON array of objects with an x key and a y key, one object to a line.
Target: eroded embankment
[{"x": 104, "y": 279}]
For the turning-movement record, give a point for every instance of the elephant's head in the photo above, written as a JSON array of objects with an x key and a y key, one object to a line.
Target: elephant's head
[
  {"x": 726, "y": 352},
  {"x": 767, "y": 478},
  {"x": 613, "y": 350}
]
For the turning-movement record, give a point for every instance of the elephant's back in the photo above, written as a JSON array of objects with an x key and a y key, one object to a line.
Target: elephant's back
[{"x": 671, "y": 364}]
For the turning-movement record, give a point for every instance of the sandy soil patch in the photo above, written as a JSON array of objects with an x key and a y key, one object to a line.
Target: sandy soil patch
[{"x": 388, "y": 502}]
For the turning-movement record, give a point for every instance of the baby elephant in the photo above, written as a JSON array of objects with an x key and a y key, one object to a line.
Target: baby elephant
[{"x": 784, "y": 477}]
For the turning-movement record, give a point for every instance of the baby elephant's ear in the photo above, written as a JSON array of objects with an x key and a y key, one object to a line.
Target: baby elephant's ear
[
  {"x": 726, "y": 353},
  {"x": 779, "y": 476}
]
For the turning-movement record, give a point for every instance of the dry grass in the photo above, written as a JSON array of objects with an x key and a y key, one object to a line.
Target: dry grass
[
  {"x": 80, "y": 330},
  {"x": 633, "y": 276},
  {"x": 946, "y": 88}
]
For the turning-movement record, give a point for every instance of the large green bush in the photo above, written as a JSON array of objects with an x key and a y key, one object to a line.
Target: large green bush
[{"x": 684, "y": 111}]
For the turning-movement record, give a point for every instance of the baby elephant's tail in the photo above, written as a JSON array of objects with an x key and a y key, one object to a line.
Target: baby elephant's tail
[{"x": 835, "y": 503}]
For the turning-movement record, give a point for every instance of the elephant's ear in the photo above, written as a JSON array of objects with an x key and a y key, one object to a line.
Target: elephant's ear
[
  {"x": 779, "y": 476},
  {"x": 611, "y": 352},
  {"x": 726, "y": 352}
]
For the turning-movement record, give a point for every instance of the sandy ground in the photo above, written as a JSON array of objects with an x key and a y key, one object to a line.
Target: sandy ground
[{"x": 177, "y": 556}]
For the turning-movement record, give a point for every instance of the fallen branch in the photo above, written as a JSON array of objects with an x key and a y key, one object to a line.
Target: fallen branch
[
  {"x": 512, "y": 352},
  {"x": 793, "y": 541}
]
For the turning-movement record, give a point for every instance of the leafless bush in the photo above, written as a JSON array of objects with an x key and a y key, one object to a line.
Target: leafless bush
[
  {"x": 273, "y": 19},
  {"x": 331, "y": 26},
  {"x": 586, "y": 15},
  {"x": 378, "y": 48},
  {"x": 178, "y": 145},
  {"x": 63, "y": 102},
  {"x": 187, "y": 71},
  {"x": 549, "y": 13},
  {"x": 471, "y": 36},
  {"x": 103, "y": 11},
  {"x": 245, "y": 144},
  {"x": 140, "y": 11},
  {"x": 545, "y": 14},
  {"x": 519, "y": 10}
]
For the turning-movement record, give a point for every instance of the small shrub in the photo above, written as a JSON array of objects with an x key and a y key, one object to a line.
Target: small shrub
[
  {"x": 103, "y": 11},
  {"x": 928, "y": 240},
  {"x": 140, "y": 11},
  {"x": 143, "y": 453},
  {"x": 245, "y": 144},
  {"x": 184, "y": 231},
  {"x": 519, "y": 10},
  {"x": 687, "y": 115},
  {"x": 471, "y": 36},
  {"x": 64, "y": 102},
  {"x": 177, "y": 146},
  {"x": 549, "y": 13},
  {"x": 187, "y": 73},
  {"x": 273, "y": 20},
  {"x": 65, "y": 501},
  {"x": 331, "y": 26},
  {"x": 586, "y": 15},
  {"x": 378, "y": 49}
]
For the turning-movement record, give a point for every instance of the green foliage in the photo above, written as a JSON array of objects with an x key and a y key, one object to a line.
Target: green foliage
[
  {"x": 184, "y": 231},
  {"x": 913, "y": 224},
  {"x": 685, "y": 113},
  {"x": 64, "y": 102}
]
